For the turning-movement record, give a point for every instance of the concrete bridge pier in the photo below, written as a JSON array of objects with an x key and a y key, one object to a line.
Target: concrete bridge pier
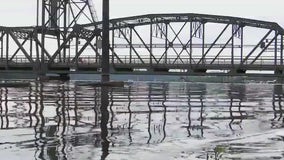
[
  {"x": 125, "y": 69},
  {"x": 60, "y": 76},
  {"x": 64, "y": 76},
  {"x": 40, "y": 70},
  {"x": 278, "y": 72},
  {"x": 164, "y": 70},
  {"x": 237, "y": 71},
  {"x": 199, "y": 70}
]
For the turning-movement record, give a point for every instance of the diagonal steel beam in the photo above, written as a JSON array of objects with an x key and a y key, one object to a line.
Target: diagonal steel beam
[
  {"x": 57, "y": 52},
  {"x": 225, "y": 45},
  {"x": 212, "y": 45},
  {"x": 113, "y": 54},
  {"x": 3, "y": 34},
  {"x": 177, "y": 37},
  {"x": 16, "y": 52},
  {"x": 177, "y": 34},
  {"x": 137, "y": 54},
  {"x": 45, "y": 51},
  {"x": 83, "y": 48},
  {"x": 82, "y": 9},
  {"x": 178, "y": 57},
  {"x": 168, "y": 41},
  {"x": 264, "y": 49},
  {"x": 253, "y": 50},
  {"x": 77, "y": 16},
  {"x": 165, "y": 54},
  {"x": 189, "y": 41},
  {"x": 149, "y": 49},
  {"x": 20, "y": 46},
  {"x": 92, "y": 46}
]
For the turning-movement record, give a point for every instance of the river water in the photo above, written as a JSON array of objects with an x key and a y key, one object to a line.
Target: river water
[{"x": 143, "y": 120}]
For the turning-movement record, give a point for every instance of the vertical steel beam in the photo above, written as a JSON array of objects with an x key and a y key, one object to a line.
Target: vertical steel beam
[
  {"x": 112, "y": 48},
  {"x": 105, "y": 43},
  {"x": 275, "y": 48},
  {"x": 166, "y": 44},
  {"x": 37, "y": 47},
  {"x": 190, "y": 45},
  {"x": 151, "y": 43},
  {"x": 2, "y": 45},
  {"x": 97, "y": 49},
  {"x": 203, "y": 42},
  {"x": 232, "y": 46},
  {"x": 76, "y": 50},
  {"x": 242, "y": 44},
  {"x": 7, "y": 49},
  {"x": 31, "y": 47},
  {"x": 58, "y": 45},
  {"x": 131, "y": 42},
  {"x": 65, "y": 29},
  {"x": 281, "y": 50},
  {"x": 37, "y": 13},
  {"x": 42, "y": 36}
]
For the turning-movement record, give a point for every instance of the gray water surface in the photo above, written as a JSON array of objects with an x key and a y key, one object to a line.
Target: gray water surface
[{"x": 143, "y": 120}]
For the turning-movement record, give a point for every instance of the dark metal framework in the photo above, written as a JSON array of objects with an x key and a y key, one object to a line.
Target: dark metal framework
[{"x": 167, "y": 43}]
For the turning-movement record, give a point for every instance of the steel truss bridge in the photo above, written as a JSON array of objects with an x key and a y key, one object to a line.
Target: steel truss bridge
[{"x": 183, "y": 44}]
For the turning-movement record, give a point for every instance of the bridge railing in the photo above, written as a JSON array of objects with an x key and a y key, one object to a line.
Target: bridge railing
[
  {"x": 199, "y": 61},
  {"x": 91, "y": 60}
]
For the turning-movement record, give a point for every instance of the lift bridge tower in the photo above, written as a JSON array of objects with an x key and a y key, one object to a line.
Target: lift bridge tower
[{"x": 55, "y": 21}]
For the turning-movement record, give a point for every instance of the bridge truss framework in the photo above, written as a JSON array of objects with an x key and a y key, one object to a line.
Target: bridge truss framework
[{"x": 147, "y": 44}]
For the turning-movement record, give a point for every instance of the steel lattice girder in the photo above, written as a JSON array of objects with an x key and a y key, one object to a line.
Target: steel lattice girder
[
  {"x": 127, "y": 26},
  {"x": 187, "y": 17}
]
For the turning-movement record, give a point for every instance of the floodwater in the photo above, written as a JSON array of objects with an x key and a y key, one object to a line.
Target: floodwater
[{"x": 144, "y": 120}]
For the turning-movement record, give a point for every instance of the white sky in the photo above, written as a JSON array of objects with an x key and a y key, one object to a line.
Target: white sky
[{"x": 22, "y": 12}]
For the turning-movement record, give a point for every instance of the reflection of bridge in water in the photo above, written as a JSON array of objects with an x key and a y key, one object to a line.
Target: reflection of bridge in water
[
  {"x": 62, "y": 117},
  {"x": 185, "y": 44}
]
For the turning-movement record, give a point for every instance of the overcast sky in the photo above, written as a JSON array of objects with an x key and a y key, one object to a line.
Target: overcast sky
[{"x": 22, "y": 12}]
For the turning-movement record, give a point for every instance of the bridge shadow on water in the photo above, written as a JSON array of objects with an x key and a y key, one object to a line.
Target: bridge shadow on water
[{"x": 57, "y": 120}]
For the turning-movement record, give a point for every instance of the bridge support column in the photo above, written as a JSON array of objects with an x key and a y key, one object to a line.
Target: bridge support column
[
  {"x": 64, "y": 76},
  {"x": 105, "y": 43},
  {"x": 40, "y": 70},
  {"x": 278, "y": 71},
  {"x": 201, "y": 70},
  {"x": 237, "y": 71}
]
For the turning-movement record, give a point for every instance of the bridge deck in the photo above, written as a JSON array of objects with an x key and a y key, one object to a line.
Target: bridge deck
[{"x": 171, "y": 66}]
